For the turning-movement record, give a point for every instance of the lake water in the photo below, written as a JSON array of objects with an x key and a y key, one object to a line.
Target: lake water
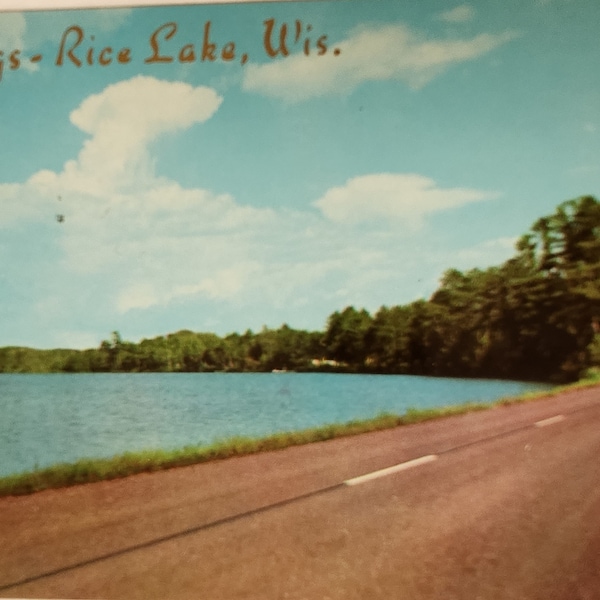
[{"x": 45, "y": 419}]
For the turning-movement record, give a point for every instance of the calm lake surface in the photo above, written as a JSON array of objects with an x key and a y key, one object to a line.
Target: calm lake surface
[{"x": 45, "y": 419}]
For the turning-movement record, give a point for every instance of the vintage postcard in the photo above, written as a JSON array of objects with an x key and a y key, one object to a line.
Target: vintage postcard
[{"x": 232, "y": 228}]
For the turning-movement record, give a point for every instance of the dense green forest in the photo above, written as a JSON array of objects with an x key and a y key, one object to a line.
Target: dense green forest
[{"x": 536, "y": 316}]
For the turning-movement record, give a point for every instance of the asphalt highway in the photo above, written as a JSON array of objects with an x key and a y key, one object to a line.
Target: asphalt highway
[{"x": 503, "y": 503}]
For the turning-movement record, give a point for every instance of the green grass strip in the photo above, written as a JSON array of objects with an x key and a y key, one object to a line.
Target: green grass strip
[{"x": 131, "y": 463}]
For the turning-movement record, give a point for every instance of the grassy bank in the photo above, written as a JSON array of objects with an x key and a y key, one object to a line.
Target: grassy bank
[{"x": 90, "y": 470}]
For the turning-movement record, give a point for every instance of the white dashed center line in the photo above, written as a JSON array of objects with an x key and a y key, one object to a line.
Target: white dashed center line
[
  {"x": 427, "y": 459},
  {"x": 550, "y": 421},
  {"x": 391, "y": 470}
]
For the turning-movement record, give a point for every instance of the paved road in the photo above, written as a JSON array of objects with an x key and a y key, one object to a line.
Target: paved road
[{"x": 499, "y": 504}]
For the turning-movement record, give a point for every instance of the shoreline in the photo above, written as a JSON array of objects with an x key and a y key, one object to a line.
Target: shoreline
[{"x": 90, "y": 470}]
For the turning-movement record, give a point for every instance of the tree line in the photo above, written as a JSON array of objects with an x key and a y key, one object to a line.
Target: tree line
[{"x": 536, "y": 316}]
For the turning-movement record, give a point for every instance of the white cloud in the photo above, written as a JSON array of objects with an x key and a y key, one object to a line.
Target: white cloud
[
  {"x": 369, "y": 54},
  {"x": 132, "y": 241},
  {"x": 123, "y": 120},
  {"x": 459, "y": 14},
  {"x": 156, "y": 240},
  {"x": 114, "y": 168},
  {"x": 222, "y": 284},
  {"x": 400, "y": 197}
]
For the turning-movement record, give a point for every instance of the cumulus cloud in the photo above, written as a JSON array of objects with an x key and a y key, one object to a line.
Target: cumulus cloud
[
  {"x": 123, "y": 120},
  {"x": 148, "y": 233},
  {"x": 114, "y": 166},
  {"x": 369, "y": 54},
  {"x": 133, "y": 242},
  {"x": 399, "y": 197}
]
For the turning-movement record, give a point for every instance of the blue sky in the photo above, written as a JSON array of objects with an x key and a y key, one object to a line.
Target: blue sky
[{"x": 221, "y": 196}]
